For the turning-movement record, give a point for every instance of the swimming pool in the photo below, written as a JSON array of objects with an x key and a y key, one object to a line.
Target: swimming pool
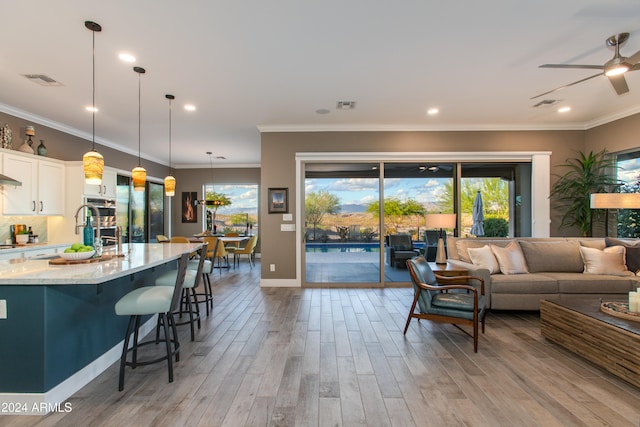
[{"x": 343, "y": 247}]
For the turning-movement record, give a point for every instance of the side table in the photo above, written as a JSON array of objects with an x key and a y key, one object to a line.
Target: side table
[{"x": 449, "y": 270}]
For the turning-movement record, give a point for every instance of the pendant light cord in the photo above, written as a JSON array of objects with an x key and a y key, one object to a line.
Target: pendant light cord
[
  {"x": 93, "y": 93},
  {"x": 139, "y": 120},
  {"x": 170, "y": 169}
]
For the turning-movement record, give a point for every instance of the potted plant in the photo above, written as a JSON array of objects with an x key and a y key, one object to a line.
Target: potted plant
[
  {"x": 586, "y": 174},
  {"x": 22, "y": 237}
]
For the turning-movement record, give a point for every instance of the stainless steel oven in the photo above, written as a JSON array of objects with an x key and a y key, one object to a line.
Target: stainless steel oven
[{"x": 107, "y": 225}]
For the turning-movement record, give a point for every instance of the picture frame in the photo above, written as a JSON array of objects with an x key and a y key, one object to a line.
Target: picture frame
[
  {"x": 189, "y": 212},
  {"x": 278, "y": 200}
]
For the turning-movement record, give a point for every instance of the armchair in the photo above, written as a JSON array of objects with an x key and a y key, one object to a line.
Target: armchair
[
  {"x": 400, "y": 249},
  {"x": 440, "y": 302}
]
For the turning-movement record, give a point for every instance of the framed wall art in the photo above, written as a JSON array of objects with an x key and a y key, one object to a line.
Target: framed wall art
[
  {"x": 278, "y": 200},
  {"x": 189, "y": 213}
]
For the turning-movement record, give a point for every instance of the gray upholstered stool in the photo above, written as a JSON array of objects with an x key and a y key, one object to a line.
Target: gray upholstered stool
[
  {"x": 189, "y": 297},
  {"x": 206, "y": 295},
  {"x": 160, "y": 300}
]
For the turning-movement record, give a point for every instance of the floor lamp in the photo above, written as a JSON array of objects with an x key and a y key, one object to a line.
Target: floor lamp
[
  {"x": 614, "y": 201},
  {"x": 440, "y": 221}
]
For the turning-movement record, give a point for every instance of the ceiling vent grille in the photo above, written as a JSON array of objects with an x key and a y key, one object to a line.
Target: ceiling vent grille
[
  {"x": 346, "y": 105},
  {"x": 546, "y": 103},
  {"x": 42, "y": 80}
]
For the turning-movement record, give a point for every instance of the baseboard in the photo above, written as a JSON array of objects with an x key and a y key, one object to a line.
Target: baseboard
[
  {"x": 279, "y": 283},
  {"x": 55, "y": 400}
]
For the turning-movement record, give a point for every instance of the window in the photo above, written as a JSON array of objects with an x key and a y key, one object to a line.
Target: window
[{"x": 235, "y": 210}]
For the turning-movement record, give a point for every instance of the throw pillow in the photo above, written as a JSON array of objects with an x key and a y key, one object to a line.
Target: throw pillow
[
  {"x": 510, "y": 258},
  {"x": 608, "y": 261},
  {"x": 483, "y": 257},
  {"x": 632, "y": 256}
]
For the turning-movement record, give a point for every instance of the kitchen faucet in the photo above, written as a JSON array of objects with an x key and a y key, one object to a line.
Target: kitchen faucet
[{"x": 98, "y": 242}]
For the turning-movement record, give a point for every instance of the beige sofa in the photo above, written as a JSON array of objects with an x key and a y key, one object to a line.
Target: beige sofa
[{"x": 555, "y": 272}]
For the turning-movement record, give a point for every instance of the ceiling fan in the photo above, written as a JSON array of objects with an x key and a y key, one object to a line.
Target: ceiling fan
[{"x": 614, "y": 69}]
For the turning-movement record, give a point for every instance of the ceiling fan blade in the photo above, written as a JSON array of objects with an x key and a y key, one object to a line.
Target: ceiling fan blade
[
  {"x": 587, "y": 67},
  {"x": 565, "y": 86},
  {"x": 634, "y": 59},
  {"x": 619, "y": 84}
]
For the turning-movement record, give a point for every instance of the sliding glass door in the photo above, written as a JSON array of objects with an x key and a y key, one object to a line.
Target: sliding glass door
[{"x": 342, "y": 233}]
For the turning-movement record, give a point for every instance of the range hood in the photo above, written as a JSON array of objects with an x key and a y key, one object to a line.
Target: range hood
[{"x": 9, "y": 181}]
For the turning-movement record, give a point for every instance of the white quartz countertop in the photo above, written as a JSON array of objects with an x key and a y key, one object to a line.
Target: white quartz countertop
[{"x": 138, "y": 257}]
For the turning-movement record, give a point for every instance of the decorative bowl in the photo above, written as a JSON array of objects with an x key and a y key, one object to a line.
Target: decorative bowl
[
  {"x": 22, "y": 238},
  {"x": 77, "y": 255}
]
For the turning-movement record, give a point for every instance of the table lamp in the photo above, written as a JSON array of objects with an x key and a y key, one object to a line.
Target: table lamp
[{"x": 440, "y": 221}]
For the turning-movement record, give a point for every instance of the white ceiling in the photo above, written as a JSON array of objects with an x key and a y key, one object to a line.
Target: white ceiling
[{"x": 257, "y": 65}]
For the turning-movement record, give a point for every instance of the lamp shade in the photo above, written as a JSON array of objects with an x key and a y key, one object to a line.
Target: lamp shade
[
  {"x": 440, "y": 220},
  {"x": 615, "y": 201},
  {"x": 169, "y": 186},
  {"x": 139, "y": 175},
  {"x": 93, "y": 164}
]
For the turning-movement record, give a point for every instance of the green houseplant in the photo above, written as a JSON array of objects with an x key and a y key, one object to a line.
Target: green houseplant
[{"x": 586, "y": 174}]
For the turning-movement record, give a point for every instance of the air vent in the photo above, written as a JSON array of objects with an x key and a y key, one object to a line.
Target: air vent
[
  {"x": 42, "y": 80},
  {"x": 546, "y": 103},
  {"x": 346, "y": 105}
]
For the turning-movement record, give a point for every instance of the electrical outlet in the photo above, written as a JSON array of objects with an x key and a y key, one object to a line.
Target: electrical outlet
[
  {"x": 3, "y": 308},
  {"x": 272, "y": 267}
]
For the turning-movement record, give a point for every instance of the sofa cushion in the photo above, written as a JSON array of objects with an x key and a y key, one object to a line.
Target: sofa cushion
[
  {"x": 632, "y": 256},
  {"x": 593, "y": 243},
  {"x": 484, "y": 258},
  {"x": 523, "y": 284},
  {"x": 611, "y": 261},
  {"x": 555, "y": 255},
  {"x": 581, "y": 283},
  {"x": 462, "y": 246},
  {"x": 510, "y": 258}
]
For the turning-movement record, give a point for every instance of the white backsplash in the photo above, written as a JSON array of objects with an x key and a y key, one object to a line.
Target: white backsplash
[{"x": 37, "y": 223}]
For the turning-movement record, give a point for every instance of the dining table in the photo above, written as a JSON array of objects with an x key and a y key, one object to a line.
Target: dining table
[{"x": 224, "y": 239}]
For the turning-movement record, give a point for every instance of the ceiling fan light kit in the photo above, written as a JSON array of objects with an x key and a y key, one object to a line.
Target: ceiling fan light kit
[{"x": 614, "y": 69}]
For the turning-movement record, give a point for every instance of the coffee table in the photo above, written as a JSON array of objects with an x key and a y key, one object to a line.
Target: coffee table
[{"x": 609, "y": 342}]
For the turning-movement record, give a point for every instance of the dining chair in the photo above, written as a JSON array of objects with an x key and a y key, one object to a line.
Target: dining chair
[
  {"x": 179, "y": 239},
  {"x": 248, "y": 249},
  {"x": 217, "y": 251},
  {"x": 458, "y": 304},
  {"x": 232, "y": 246}
]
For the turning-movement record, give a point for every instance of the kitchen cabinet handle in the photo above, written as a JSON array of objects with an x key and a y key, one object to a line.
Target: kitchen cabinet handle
[
  {"x": 41, "y": 206},
  {"x": 34, "y": 206},
  {"x": 105, "y": 190}
]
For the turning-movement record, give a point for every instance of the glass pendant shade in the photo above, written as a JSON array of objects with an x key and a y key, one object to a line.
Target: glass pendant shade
[
  {"x": 93, "y": 164},
  {"x": 169, "y": 186},
  {"x": 139, "y": 175}
]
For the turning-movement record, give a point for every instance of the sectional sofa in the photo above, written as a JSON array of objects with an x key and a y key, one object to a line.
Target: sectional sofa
[{"x": 520, "y": 272}]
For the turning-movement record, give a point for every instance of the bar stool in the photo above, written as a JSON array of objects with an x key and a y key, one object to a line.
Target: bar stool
[
  {"x": 147, "y": 300},
  {"x": 206, "y": 296},
  {"x": 189, "y": 297}
]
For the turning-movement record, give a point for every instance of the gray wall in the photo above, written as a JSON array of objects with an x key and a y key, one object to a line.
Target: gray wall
[
  {"x": 194, "y": 180},
  {"x": 279, "y": 149},
  {"x": 67, "y": 147}
]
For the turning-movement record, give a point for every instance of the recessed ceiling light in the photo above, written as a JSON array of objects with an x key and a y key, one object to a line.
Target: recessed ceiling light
[
  {"x": 322, "y": 111},
  {"x": 564, "y": 109},
  {"x": 91, "y": 109},
  {"x": 127, "y": 57},
  {"x": 432, "y": 111},
  {"x": 190, "y": 107}
]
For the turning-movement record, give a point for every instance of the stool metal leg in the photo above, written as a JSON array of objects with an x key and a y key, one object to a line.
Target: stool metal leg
[
  {"x": 123, "y": 358},
  {"x": 168, "y": 345}
]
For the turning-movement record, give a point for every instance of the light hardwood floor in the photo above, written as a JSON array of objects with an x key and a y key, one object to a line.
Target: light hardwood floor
[{"x": 331, "y": 357}]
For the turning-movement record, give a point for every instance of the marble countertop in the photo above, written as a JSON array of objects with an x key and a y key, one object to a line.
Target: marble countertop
[
  {"x": 20, "y": 250},
  {"x": 138, "y": 257}
]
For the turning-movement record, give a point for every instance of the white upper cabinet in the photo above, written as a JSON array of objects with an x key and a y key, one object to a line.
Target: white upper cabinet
[
  {"x": 42, "y": 190},
  {"x": 108, "y": 187}
]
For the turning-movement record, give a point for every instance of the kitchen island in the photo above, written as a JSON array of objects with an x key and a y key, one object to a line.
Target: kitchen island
[{"x": 58, "y": 326}]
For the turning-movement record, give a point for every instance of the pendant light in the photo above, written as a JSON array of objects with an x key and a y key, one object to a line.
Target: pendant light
[
  {"x": 92, "y": 161},
  {"x": 139, "y": 174},
  {"x": 169, "y": 180}
]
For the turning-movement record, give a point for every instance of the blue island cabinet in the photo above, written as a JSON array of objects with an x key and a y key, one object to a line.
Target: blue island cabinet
[{"x": 53, "y": 331}]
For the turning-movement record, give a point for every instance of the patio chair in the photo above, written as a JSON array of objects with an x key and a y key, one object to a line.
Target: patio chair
[
  {"x": 400, "y": 249},
  {"x": 457, "y": 304}
]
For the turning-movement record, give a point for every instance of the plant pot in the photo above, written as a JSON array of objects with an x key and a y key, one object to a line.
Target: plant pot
[{"x": 22, "y": 238}]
